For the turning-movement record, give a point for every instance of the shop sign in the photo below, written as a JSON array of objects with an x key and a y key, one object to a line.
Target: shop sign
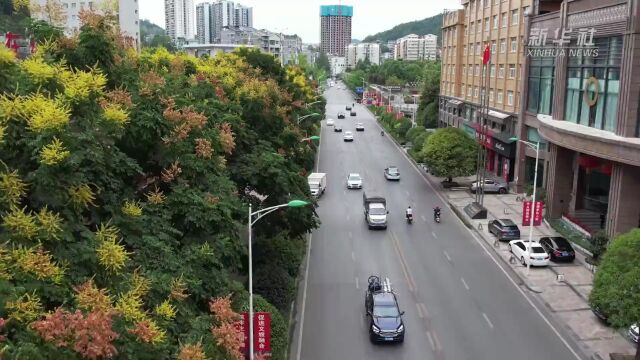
[
  {"x": 505, "y": 169},
  {"x": 528, "y": 213}
]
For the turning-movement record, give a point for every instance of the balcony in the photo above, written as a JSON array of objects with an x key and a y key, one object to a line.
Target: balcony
[{"x": 592, "y": 141}]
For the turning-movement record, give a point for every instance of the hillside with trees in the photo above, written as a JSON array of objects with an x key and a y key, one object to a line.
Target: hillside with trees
[
  {"x": 125, "y": 181},
  {"x": 431, "y": 25},
  {"x": 152, "y": 35}
]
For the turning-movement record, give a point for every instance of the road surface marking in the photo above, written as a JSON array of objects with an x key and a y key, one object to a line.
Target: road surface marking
[
  {"x": 434, "y": 235},
  {"x": 488, "y": 321},
  {"x": 348, "y": 218},
  {"x": 304, "y": 297},
  {"x": 420, "y": 314},
  {"x": 403, "y": 263},
  {"x": 479, "y": 242},
  {"x": 407, "y": 193},
  {"x": 436, "y": 341},
  {"x": 424, "y": 310},
  {"x": 446, "y": 254},
  {"x": 431, "y": 342},
  {"x": 353, "y": 256},
  {"x": 423, "y": 218},
  {"x": 464, "y": 283},
  {"x": 357, "y": 283}
]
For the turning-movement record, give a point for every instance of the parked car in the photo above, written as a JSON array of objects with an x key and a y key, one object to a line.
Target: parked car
[
  {"x": 634, "y": 332},
  {"x": 341, "y": 115},
  {"x": 494, "y": 186},
  {"x": 337, "y": 128},
  {"x": 354, "y": 181},
  {"x": 359, "y": 127},
  {"x": 392, "y": 173},
  {"x": 348, "y": 136},
  {"x": 534, "y": 256},
  {"x": 330, "y": 122},
  {"x": 504, "y": 229},
  {"x": 558, "y": 248},
  {"x": 353, "y": 113}
]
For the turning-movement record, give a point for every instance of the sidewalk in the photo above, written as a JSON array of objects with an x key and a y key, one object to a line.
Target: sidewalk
[{"x": 566, "y": 299}]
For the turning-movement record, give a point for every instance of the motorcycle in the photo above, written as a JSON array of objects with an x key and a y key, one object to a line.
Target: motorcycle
[
  {"x": 436, "y": 217},
  {"x": 409, "y": 218},
  {"x": 381, "y": 133}
]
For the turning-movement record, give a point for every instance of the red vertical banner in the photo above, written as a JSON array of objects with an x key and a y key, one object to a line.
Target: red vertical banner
[
  {"x": 537, "y": 213},
  {"x": 243, "y": 327},
  {"x": 262, "y": 333},
  {"x": 526, "y": 213},
  {"x": 505, "y": 169}
]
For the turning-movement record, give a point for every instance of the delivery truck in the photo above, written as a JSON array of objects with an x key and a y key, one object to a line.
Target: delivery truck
[{"x": 317, "y": 183}]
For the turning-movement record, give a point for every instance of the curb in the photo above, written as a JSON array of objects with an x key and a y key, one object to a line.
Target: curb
[{"x": 524, "y": 281}]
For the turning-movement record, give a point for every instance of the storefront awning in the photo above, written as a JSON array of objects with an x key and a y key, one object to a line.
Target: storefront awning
[
  {"x": 498, "y": 115},
  {"x": 454, "y": 102}
]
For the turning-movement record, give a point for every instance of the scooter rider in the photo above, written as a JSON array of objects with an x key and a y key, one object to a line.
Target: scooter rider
[
  {"x": 409, "y": 212},
  {"x": 382, "y": 133},
  {"x": 436, "y": 212}
]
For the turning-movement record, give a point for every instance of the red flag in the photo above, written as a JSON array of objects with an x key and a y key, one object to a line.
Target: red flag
[{"x": 486, "y": 56}]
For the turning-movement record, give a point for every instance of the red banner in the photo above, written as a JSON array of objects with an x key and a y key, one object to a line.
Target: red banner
[
  {"x": 534, "y": 213},
  {"x": 261, "y": 333},
  {"x": 262, "y": 339}
]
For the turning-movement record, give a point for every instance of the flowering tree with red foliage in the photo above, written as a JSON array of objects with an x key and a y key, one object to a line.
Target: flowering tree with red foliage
[{"x": 226, "y": 333}]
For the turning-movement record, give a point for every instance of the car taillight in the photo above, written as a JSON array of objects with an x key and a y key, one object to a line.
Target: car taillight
[{"x": 557, "y": 252}]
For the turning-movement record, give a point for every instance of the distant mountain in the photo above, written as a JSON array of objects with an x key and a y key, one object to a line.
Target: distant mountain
[
  {"x": 149, "y": 28},
  {"x": 431, "y": 25}
]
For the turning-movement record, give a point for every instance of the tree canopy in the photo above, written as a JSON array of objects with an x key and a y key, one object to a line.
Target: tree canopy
[
  {"x": 616, "y": 287},
  {"x": 431, "y": 25},
  {"x": 125, "y": 180},
  {"x": 450, "y": 152}
]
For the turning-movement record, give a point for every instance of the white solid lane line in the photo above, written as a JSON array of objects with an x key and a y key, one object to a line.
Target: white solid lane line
[
  {"x": 488, "y": 321},
  {"x": 446, "y": 254},
  {"x": 353, "y": 256},
  {"x": 464, "y": 283},
  {"x": 304, "y": 298}
]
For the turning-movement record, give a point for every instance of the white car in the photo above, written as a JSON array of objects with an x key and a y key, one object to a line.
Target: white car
[
  {"x": 329, "y": 122},
  {"x": 348, "y": 136},
  {"x": 359, "y": 127},
  {"x": 537, "y": 256},
  {"x": 354, "y": 181},
  {"x": 634, "y": 332}
]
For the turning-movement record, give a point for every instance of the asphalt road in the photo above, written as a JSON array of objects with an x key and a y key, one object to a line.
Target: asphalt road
[{"x": 459, "y": 304}]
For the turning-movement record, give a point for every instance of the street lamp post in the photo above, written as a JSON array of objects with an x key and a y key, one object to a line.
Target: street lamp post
[
  {"x": 260, "y": 214},
  {"x": 314, "y": 137},
  {"x": 300, "y": 118},
  {"x": 536, "y": 147},
  {"x": 315, "y": 102}
]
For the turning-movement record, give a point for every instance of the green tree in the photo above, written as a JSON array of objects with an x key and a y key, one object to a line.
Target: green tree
[
  {"x": 616, "y": 284},
  {"x": 450, "y": 153},
  {"x": 43, "y": 31},
  {"x": 323, "y": 62}
]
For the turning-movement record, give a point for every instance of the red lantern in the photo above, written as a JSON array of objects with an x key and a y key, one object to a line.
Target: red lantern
[
  {"x": 588, "y": 162},
  {"x": 607, "y": 169}
]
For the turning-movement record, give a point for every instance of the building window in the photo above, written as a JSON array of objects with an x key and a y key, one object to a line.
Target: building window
[
  {"x": 73, "y": 5},
  {"x": 462, "y": 89},
  {"x": 503, "y": 45},
  {"x": 515, "y": 17},
  {"x": 493, "y": 46},
  {"x": 475, "y": 92},
  {"x": 477, "y": 72},
  {"x": 469, "y": 91},
  {"x": 472, "y": 28},
  {"x": 479, "y": 26},
  {"x": 504, "y": 19},
  {"x": 525, "y": 10},
  {"x": 486, "y": 24},
  {"x": 464, "y": 70},
  {"x": 514, "y": 44},
  {"x": 477, "y": 48},
  {"x": 509, "y": 97},
  {"x": 512, "y": 71},
  {"x": 493, "y": 71},
  {"x": 464, "y": 49},
  {"x": 501, "y": 71},
  {"x": 584, "y": 74},
  {"x": 495, "y": 21},
  {"x": 499, "y": 96},
  {"x": 540, "y": 91},
  {"x": 491, "y": 95},
  {"x": 534, "y": 136}
]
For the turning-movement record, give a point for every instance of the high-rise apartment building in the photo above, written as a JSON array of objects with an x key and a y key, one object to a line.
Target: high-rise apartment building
[
  {"x": 224, "y": 15},
  {"x": 581, "y": 103},
  {"x": 244, "y": 16},
  {"x": 291, "y": 48},
  {"x": 127, "y": 12},
  {"x": 335, "y": 28},
  {"x": 465, "y": 81},
  {"x": 361, "y": 52},
  {"x": 179, "y": 19},
  {"x": 413, "y": 47},
  {"x": 204, "y": 23}
]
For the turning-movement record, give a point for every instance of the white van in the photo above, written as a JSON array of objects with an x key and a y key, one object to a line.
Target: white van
[{"x": 317, "y": 183}]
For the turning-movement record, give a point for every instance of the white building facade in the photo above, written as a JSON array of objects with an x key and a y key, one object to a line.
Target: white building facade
[
  {"x": 413, "y": 47},
  {"x": 204, "y": 22},
  {"x": 360, "y": 52},
  {"x": 338, "y": 65},
  {"x": 127, "y": 13},
  {"x": 179, "y": 18}
]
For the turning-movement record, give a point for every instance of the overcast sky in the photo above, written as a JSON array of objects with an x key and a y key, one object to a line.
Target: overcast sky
[{"x": 302, "y": 17}]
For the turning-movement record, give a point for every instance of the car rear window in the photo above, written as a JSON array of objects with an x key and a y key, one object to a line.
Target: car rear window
[
  {"x": 512, "y": 228},
  {"x": 537, "y": 250}
]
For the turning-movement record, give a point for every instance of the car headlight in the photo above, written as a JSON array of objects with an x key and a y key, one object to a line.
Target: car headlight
[
  {"x": 401, "y": 328},
  {"x": 375, "y": 329}
]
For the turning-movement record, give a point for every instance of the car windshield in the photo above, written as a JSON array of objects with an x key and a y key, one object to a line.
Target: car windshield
[
  {"x": 511, "y": 228},
  {"x": 377, "y": 211},
  {"x": 386, "y": 311},
  {"x": 393, "y": 170},
  {"x": 354, "y": 178}
]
